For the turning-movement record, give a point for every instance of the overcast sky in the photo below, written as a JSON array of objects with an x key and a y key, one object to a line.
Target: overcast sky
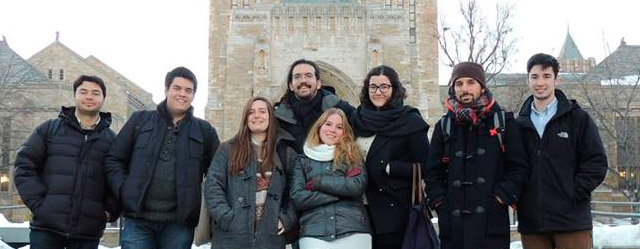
[{"x": 144, "y": 39}]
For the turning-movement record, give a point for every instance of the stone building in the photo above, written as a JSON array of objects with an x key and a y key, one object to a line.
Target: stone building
[
  {"x": 33, "y": 91},
  {"x": 571, "y": 60},
  {"x": 253, "y": 42}
]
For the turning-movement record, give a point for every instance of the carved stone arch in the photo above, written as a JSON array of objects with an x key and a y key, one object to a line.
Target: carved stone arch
[{"x": 345, "y": 87}]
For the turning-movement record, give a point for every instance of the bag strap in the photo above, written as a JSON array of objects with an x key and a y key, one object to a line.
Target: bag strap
[
  {"x": 499, "y": 123},
  {"x": 417, "y": 192},
  {"x": 445, "y": 127}
]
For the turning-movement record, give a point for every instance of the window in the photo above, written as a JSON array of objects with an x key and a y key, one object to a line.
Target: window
[
  {"x": 50, "y": 74},
  {"x": 61, "y": 74}
]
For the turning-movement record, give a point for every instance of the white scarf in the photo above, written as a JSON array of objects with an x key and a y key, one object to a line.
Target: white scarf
[{"x": 323, "y": 152}]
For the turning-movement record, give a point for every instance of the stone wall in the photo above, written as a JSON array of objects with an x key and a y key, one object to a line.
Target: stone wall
[{"x": 252, "y": 44}]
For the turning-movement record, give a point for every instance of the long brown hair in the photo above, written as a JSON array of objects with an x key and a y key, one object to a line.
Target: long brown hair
[
  {"x": 241, "y": 151},
  {"x": 346, "y": 150}
]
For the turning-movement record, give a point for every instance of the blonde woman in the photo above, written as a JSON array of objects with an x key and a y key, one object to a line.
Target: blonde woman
[{"x": 327, "y": 184}]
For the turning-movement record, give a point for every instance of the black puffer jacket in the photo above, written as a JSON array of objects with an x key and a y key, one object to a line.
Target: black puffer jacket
[
  {"x": 133, "y": 156},
  {"x": 567, "y": 164},
  {"x": 333, "y": 209},
  {"x": 61, "y": 177}
]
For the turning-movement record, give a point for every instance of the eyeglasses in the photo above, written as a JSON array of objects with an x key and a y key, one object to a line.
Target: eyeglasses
[{"x": 383, "y": 88}]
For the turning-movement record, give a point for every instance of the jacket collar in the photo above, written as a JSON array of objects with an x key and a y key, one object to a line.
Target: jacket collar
[
  {"x": 163, "y": 112},
  {"x": 565, "y": 105},
  {"x": 68, "y": 114}
]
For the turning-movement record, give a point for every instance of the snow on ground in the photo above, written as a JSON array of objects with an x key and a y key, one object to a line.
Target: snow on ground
[
  {"x": 5, "y": 223},
  {"x": 620, "y": 235},
  {"x": 4, "y": 245}
]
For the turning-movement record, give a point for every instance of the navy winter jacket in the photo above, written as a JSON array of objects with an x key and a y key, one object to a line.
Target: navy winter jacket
[{"x": 133, "y": 156}]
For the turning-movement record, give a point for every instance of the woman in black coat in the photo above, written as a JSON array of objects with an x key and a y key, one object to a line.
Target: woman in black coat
[{"x": 391, "y": 136}]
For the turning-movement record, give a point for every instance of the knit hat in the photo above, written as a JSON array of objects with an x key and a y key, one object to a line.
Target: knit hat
[{"x": 467, "y": 69}]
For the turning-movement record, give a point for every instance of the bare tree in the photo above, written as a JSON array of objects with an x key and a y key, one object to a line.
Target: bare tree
[
  {"x": 611, "y": 92},
  {"x": 489, "y": 43},
  {"x": 510, "y": 90}
]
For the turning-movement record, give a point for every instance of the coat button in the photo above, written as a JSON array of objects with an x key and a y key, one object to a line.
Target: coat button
[
  {"x": 479, "y": 210},
  {"x": 331, "y": 217},
  {"x": 393, "y": 205},
  {"x": 333, "y": 236},
  {"x": 455, "y": 212},
  {"x": 480, "y": 180},
  {"x": 380, "y": 190},
  {"x": 240, "y": 199}
]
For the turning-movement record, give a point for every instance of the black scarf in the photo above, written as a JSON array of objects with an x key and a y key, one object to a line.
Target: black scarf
[
  {"x": 307, "y": 112},
  {"x": 398, "y": 121}
]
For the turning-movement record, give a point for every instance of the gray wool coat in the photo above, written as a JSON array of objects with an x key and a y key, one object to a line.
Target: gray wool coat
[{"x": 231, "y": 200}]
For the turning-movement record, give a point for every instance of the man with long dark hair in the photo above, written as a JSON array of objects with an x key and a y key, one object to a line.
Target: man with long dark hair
[{"x": 305, "y": 100}]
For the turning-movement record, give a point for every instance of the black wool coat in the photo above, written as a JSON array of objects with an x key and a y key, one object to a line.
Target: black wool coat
[
  {"x": 567, "y": 163},
  {"x": 389, "y": 195},
  {"x": 61, "y": 177},
  {"x": 465, "y": 189}
]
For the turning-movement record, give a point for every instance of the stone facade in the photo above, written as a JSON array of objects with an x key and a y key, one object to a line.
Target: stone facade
[
  {"x": 36, "y": 92},
  {"x": 253, "y": 42}
]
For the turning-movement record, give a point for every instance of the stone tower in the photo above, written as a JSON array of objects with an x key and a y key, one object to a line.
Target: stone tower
[
  {"x": 253, "y": 42},
  {"x": 570, "y": 58}
]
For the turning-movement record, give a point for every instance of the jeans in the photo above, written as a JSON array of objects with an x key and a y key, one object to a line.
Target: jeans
[
  {"x": 40, "y": 239},
  {"x": 144, "y": 234}
]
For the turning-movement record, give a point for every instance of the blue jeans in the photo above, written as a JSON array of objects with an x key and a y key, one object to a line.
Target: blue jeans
[
  {"x": 40, "y": 239},
  {"x": 144, "y": 234}
]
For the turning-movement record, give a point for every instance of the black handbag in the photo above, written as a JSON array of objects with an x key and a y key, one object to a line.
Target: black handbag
[{"x": 420, "y": 233}]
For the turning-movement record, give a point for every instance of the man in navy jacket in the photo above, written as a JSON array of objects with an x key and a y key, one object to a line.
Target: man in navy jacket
[{"x": 156, "y": 165}]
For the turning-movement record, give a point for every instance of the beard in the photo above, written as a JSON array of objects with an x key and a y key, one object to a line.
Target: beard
[{"x": 312, "y": 92}]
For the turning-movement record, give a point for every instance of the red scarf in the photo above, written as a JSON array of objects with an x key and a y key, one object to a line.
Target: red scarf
[{"x": 473, "y": 112}]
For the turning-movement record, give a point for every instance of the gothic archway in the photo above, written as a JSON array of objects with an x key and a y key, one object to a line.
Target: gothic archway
[{"x": 345, "y": 88}]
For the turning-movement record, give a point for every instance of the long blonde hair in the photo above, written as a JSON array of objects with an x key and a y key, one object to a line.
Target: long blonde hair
[{"x": 346, "y": 151}]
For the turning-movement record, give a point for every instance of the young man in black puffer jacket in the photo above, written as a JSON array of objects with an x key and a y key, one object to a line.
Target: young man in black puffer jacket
[{"x": 59, "y": 172}]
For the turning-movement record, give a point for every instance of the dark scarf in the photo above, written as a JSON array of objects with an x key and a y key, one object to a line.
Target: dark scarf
[
  {"x": 307, "y": 112},
  {"x": 471, "y": 113},
  {"x": 397, "y": 121},
  {"x": 164, "y": 114}
]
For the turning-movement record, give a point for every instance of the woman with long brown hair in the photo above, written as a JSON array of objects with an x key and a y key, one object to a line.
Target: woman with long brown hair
[
  {"x": 327, "y": 185},
  {"x": 245, "y": 189}
]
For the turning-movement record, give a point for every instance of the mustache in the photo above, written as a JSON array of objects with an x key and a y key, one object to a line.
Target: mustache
[{"x": 303, "y": 84}]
